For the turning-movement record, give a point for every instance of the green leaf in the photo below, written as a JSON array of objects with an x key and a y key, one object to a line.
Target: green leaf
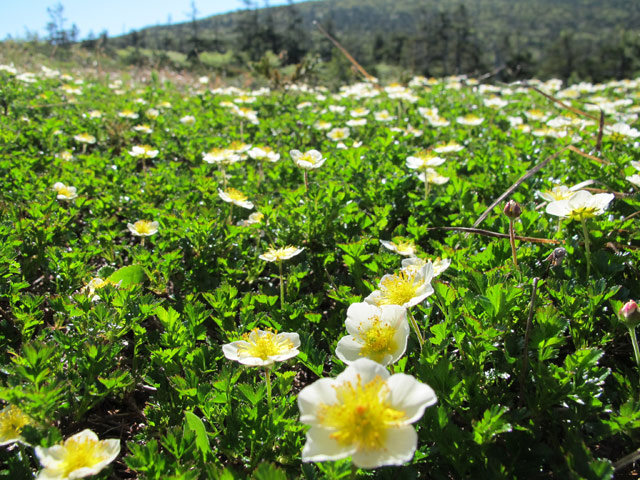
[
  {"x": 195, "y": 425},
  {"x": 125, "y": 276},
  {"x": 490, "y": 425}
]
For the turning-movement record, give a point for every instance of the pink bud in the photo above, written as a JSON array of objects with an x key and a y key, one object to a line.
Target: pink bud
[{"x": 630, "y": 314}]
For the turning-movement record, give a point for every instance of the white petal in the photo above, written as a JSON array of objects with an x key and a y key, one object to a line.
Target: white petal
[
  {"x": 321, "y": 447},
  {"x": 364, "y": 370},
  {"x": 348, "y": 349},
  {"x": 312, "y": 396},
  {"x": 559, "y": 208},
  {"x": 400, "y": 446},
  {"x": 293, "y": 337},
  {"x": 410, "y": 396}
]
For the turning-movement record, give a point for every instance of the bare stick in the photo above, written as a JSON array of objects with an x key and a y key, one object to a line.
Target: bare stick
[
  {"x": 600, "y": 128},
  {"x": 577, "y": 111},
  {"x": 489, "y": 233},
  {"x": 586, "y": 155},
  {"x": 626, "y": 460},
  {"x": 510, "y": 190},
  {"x": 356, "y": 65}
]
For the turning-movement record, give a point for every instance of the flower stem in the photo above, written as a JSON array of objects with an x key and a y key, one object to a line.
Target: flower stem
[
  {"x": 416, "y": 328},
  {"x": 512, "y": 240},
  {"x": 306, "y": 180},
  {"x": 230, "y": 221},
  {"x": 267, "y": 377},
  {"x": 281, "y": 285},
  {"x": 634, "y": 342},
  {"x": 426, "y": 187},
  {"x": 587, "y": 246},
  {"x": 354, "y": 469}
]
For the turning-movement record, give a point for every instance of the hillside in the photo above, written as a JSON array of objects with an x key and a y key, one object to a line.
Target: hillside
[{"x": 436, "y": 37}]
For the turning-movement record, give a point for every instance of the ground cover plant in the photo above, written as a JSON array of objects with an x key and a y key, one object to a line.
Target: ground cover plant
[{"x": 426, "y": 280}]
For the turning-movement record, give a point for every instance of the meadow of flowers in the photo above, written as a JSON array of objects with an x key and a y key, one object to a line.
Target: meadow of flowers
[{"x": 428, "y": 280}]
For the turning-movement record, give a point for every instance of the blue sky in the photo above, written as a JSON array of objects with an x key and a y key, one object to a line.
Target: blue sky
[{"x": 115, "y": 16}]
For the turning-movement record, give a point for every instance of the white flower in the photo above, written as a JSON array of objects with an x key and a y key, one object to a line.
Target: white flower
[
  {"x": 364, "y": 413},
  {"x": 309, "y": 160},
  {"x": 423, "y": 160},
  {"x": 128, "y": 114},
  {"x": 231, "y": 195},
  {"x": 143, "y": 128},
  {"x": 470, "y": 120},
  {"x": 261, "y": 348},
  {"x": 377, "y": 333},
  {"x": 359, "y": 112},
  {"x": 143, "y": 228},
  {"x": 279, "y": 254},
  {"x": 495, "y": 102},
  {"x": 622, "y": 129},
  {"x": 338, "y": 134},
  {"x": 560, "y": 192},
  {"x": 538, "y": 115},
  {"x": 80, "y": 455},
  {"x": 85, "y": 138},
  {"x": 403, "y": 248},
  {"x": 188, "y": 120},
  {"x": 635, "y": 179},
  {"x": 383, "y": 116},
  {"x": 581, "y": 206},
  {"x": 143, "y": 151},
  {"x": 448, "y": 147},
  {"x": 152, "y": 113},
  {"x": 438, "y": 121},
  {"x": 263, "y": 153},
  {"x": 322, "y": 125},
  {"x": 414, "y": 264},
  {"x": 356, "y": 122},
  {"x": 432, "y": 177},
  {"x": 64, "y": 192},
  {"x": 221, "y": 155},
  {"x": 405, "y": 288}
]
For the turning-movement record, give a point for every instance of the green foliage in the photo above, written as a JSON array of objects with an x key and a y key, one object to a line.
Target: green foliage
[{"x": 123, "y": 334}]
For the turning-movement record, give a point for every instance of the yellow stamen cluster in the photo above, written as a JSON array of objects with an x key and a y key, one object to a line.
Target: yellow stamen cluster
[
  {"x": 307, "y": 157},
  {"x": 264, "y": 344},
  {"x": 582, "y": 213},
  {"x": 236, "y": 195},
  {"x": 397, "y": 289},
  {"x": 378, "y": 340},
  {"x": 143, "y": 227},
  {"x": 81, "y": 453},
  {"x": 12, "y": 421},
  {"x": 362, "y": 414}
]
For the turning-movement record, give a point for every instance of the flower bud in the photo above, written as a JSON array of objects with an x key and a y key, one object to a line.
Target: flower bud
[
  {"x": 512, "y": 209},
  {"x": 630, "y": 314}
]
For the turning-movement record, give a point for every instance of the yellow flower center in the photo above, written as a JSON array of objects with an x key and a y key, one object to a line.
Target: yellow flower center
[
  {"x": 362, "y": 414},
  {"x": 405, "y": 247},
  {"x": 582, "y": 213},
  {"x": 12, "y": 420},
  {"x": 236, "y": 195},
  {"x": 282, "y": 253},
  {"x": 143, "y": 227},
  {"x": 378, "y": 340},
  {"x": 264, "y": 345},
  {"x": 238, "y": 146},
  {"x": 307, "y": 157},
  {"x": 397, "y": 289},
  {"x": 65, "y": 191},
  {"x": 81, "y": 453}
]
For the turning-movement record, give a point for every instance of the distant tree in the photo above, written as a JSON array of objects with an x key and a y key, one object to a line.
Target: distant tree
[
  {"x": 295, "y": 38},
  {"x": 194, "y": 40},
  {"x": 58, "y": 35}
]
